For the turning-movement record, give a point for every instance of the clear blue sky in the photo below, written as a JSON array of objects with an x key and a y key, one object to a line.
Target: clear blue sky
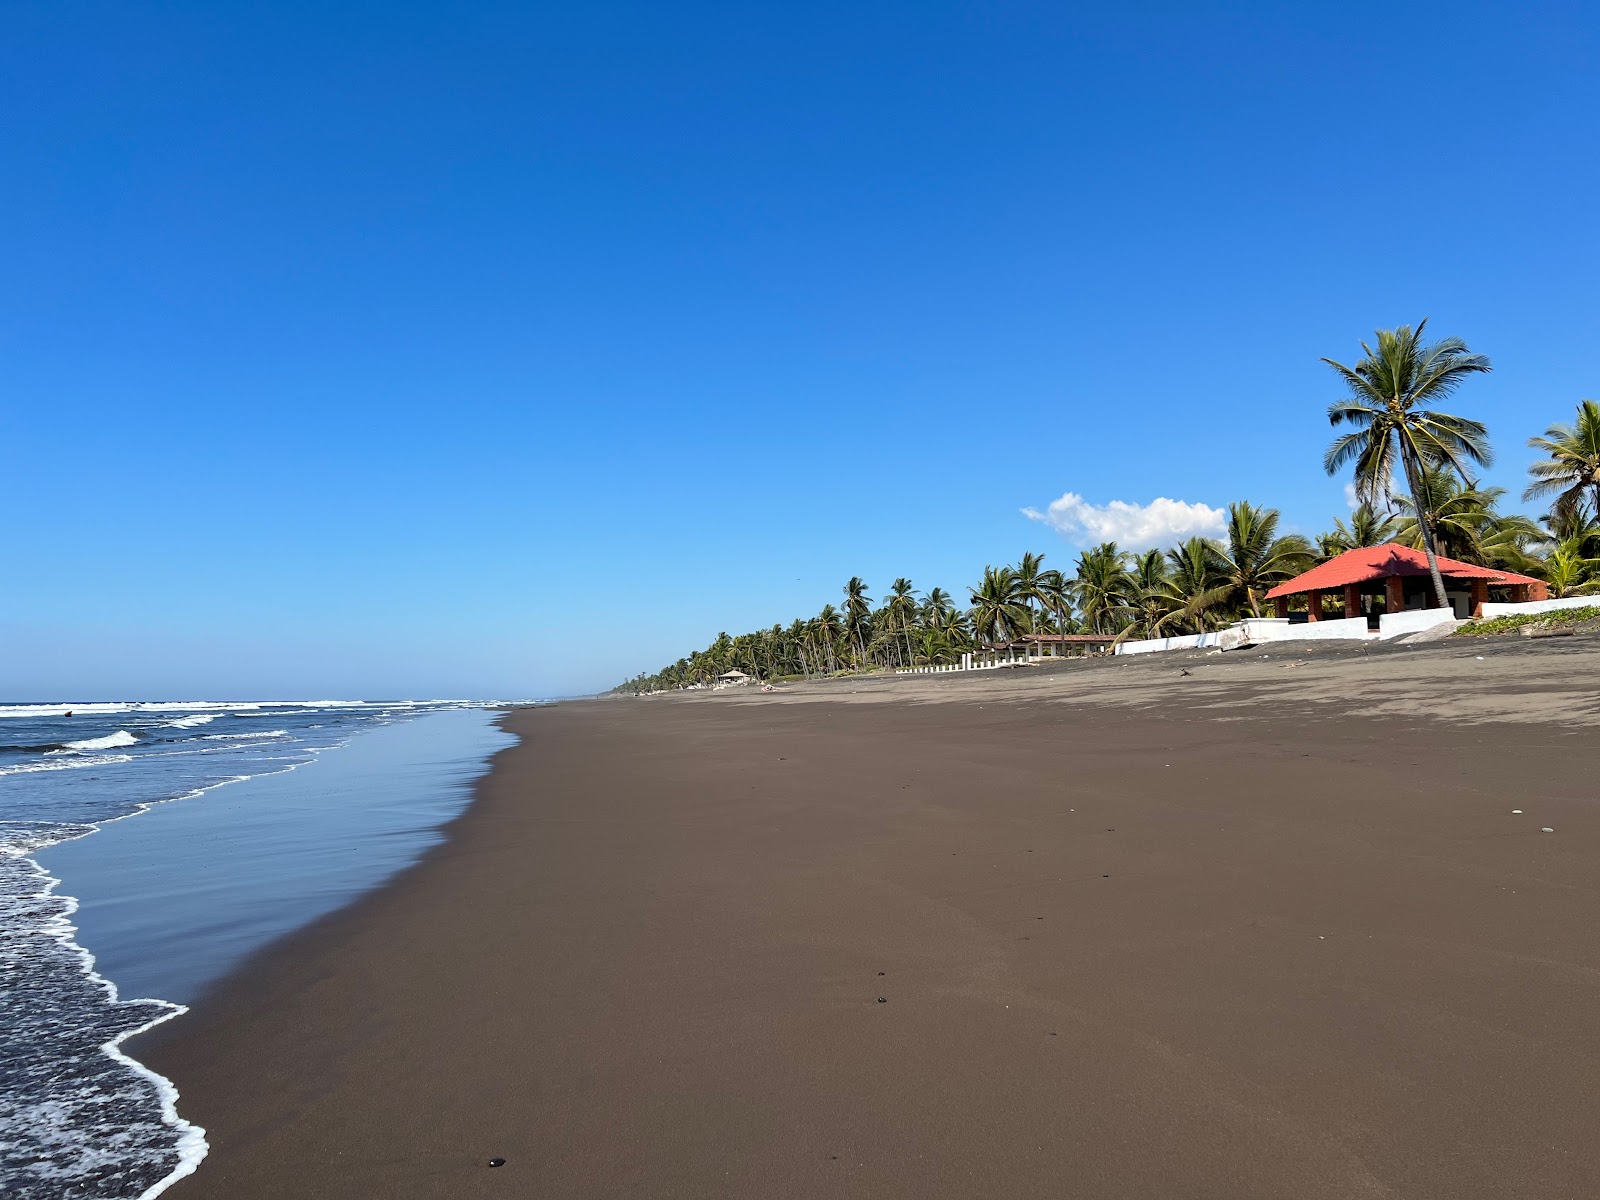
[{"x": 510, "y": 349}]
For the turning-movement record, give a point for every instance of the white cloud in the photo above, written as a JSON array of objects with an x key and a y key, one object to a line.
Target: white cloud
[
  {"x": 1350, "y": 497},
  {"x": 1160, "y": 523}
]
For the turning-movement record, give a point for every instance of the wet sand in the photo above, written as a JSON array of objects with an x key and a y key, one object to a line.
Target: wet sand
[{"x": 1245, "y": 933}]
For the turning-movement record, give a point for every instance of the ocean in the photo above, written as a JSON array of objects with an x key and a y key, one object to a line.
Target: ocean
[{"x": 148, "y": 848}]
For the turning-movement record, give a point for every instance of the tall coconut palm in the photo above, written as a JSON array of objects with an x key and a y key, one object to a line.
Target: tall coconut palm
[
  {"x": 937, "y": 609},
  {"x": 1390, "y": 389},
  {"x": 1255, "y": 557},
  {"x": 1101, "y": 588},
  {"x": 901, "y": 606},
  {"x": 828, "y": 628},
  {"x": 1040, "y": 589},
  {"x": 1571, "y": 473},
  {"x": 999, "y": 610},
  {"x": 1028, "y": 573},
  {"x": 857, "y": 613}
]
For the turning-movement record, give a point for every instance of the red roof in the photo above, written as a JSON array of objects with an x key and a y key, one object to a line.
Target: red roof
[{"x": 1366, "y": 563}]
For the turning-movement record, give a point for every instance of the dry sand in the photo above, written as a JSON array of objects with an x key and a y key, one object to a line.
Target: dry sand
[{"x": 1267, "y": 930}]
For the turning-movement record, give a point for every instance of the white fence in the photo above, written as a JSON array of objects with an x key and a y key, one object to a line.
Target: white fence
[
  {"x": 969, "y": 662},
  {"x": 1539, "y": 606}
]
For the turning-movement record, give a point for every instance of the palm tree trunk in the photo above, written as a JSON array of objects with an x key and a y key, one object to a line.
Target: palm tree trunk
[{"x": 1424, "y": 522}]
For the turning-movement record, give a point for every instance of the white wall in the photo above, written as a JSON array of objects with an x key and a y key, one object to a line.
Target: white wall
[
  {"x": 1275, "y": 629},
  {"x": 1540, "y": 606},
  {"x": 1256, "y": 630},
  {"x": 1413, "y": 620},
  {"x": 1191, "y": 641}
]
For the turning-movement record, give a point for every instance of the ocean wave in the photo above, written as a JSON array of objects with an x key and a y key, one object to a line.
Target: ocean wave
[
  {"x": 65, "y": 763},
  {"x": 111, "y": 741},
  {"x": 191, "y": 721},
  {"x": 105, "y": 707},
  {"x": 235, "y": 737}
]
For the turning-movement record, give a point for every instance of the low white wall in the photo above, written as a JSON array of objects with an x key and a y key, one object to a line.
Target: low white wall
[
  {"x": 1263, "y": 629},
  {"x": 1189, "y": 641},
  {"x": 1253, "y": 631},
  {"x": 1413, "y": 620},
  {"x": 1540, "y": 606},
  {"x": 1275, "y": 629}
]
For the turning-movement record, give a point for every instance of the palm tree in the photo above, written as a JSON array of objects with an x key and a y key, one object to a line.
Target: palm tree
[
  {"x": 937, "y": 609},
  {"x": 1198, "y": 582},
  {"x": 901, "y": 606},
  {"x": 1582, "y": 531},
  {"x": 1149, "y": 599},
  {"x": 933, "y": 646},
  {"x": 1367, "y": 528},
  {"x": 828, "y": 627},
  {"x": 1389, "y": 389},
  {"x": 999, "y": 609},
  {"x": 1038, "y": 586},
  {"x": 1101, "y": 588},
  {"x": 1466, "y": 523},
  {"x": 857, "y": 612},
  {"x": 1573, "y": 465},
  {"x": 1027, "y": 572},
  {"x": 1255, "y": 557},
  {"x": 1569, "y": 572}
]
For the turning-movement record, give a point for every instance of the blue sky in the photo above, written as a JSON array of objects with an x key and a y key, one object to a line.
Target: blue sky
[{"x": 508, "y": 350}]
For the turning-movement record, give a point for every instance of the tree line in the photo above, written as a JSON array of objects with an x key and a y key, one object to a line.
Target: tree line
[{"x": 1393, "y": 435}]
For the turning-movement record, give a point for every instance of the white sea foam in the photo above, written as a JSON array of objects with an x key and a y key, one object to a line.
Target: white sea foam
[
  {"x": 111, "y": 741},
  {"x": 192, "y": 721},
  {"x": 67, "y": 762},
  {"x": 74, "y": 1128},
  {"x": 104, "y": 707},
  {"x": 61, "y": 1125}
]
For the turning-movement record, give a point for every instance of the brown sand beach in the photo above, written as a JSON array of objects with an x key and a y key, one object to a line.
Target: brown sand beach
[{"x": 1268, "y": 929}]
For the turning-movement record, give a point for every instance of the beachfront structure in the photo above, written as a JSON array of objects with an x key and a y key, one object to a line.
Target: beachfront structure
[
  {"x": 734, "y": 676},
  {"x": 1034, "y": 644},
  {"x": 1400, "y": 576}
]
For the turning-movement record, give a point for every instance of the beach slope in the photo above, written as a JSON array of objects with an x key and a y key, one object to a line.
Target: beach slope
[{"x": 1016, "y": 942}]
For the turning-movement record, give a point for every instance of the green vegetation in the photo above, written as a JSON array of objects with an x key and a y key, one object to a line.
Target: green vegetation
[
  {"x": 1206, "y": 584},
  {"x": 1559, "y": 619},
  {"x": 1388, "y": 391}
]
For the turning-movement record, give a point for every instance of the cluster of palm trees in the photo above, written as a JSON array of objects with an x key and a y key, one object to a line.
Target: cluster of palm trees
[{"x": 1206, "y": 583}]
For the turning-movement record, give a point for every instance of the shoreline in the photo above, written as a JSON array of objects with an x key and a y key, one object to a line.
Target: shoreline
[
  {"x": 122, "y": 920},
  {"x": 644, "y": 959}
]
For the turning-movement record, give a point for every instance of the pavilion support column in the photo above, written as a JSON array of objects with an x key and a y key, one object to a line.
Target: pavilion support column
[
  {"x": 1313, "y": 606},
  {"x": 1280, "y": 608},
  {"x": 1395, "y": 594},
  {"x": 1480, "y": 596},
  {"x": 1352, "y": 600}
]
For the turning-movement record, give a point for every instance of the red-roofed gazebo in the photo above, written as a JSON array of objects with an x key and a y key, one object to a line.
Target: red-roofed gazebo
[{"x": 1400, "y": 575}]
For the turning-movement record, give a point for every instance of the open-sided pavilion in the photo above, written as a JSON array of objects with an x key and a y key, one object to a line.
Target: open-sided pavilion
[{"x": 1400, "y": 575}]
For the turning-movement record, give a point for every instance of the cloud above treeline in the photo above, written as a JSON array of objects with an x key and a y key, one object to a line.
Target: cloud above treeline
[{"x": 1160, "y": 523}]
